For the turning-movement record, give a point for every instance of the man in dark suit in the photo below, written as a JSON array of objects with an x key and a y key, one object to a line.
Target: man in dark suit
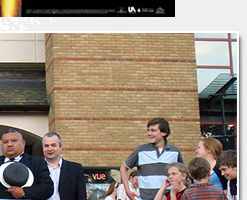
[
  {"x": 13, "y": 147},
  {"x": 68, "y": 177}
]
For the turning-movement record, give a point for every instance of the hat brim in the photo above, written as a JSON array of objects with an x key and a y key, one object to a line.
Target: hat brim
[{"x": 5, "y": 184}]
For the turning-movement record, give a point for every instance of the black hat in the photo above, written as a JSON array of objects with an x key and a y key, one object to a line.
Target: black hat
[{"x": 15, "y": 174}]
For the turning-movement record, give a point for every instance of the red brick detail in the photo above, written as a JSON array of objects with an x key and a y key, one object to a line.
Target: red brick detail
[
  {"x": 187, "y": 150},
  {"x": 122, "y": 60},
  {"x": 48, "y": 38},
  {"x": 127, "y": 59},
  {"x": 121, "y": 89},
  {"x": 117, "y": 119},
  {"x": 49, "y": 66},
  {"x": 69, "y": 149},
  {"x": 52, "y": 121},
  {"x": 112, "y": 149}
]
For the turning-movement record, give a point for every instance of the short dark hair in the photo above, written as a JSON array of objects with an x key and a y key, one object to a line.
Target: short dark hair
[
  {"x": 12, "y": 130},
  {"x": 229, "y": 159},
  {"x": 51, "y": 134},
  {"x": 163, "y": 125},
  {"x": 133, "y": 174},
  {"x": 199, "y": 168}
]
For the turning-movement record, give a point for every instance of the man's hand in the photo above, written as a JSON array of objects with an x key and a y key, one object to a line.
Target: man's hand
[
  {"x": 16, "y": 192},
  {"x": 131, "y": 195}
]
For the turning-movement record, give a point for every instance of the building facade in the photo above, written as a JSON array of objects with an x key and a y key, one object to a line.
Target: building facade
[
  {"x": 99, "y": 90},
  {"x": 103, "y": 88}
]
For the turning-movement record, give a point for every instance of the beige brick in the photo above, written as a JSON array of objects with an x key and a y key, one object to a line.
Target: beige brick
[{"x": 103, "y": 88}]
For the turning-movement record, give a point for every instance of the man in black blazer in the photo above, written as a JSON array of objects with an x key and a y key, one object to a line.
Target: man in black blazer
[
  {"x": 68, "y": 177},
  {"x": 13, "y": 147}
]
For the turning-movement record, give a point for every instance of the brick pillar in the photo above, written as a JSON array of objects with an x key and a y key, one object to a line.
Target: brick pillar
[{"x": 104, "y": 87}]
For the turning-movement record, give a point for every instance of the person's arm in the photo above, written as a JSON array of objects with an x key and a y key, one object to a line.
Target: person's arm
[
  {"x": 160, "y": 194},
  {"x": 43, "y": 185},
  {"x": 180, "y": 157},
  {"x": 124, "y": 178}
]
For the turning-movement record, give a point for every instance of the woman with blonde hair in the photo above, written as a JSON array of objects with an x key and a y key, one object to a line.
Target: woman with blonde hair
[
  {"x": 210, "y": 149},
  {"x": 112, "y": 191}
]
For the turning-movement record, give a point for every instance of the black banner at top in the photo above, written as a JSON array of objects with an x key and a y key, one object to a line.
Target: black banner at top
[{"x": 98, "y": 8}]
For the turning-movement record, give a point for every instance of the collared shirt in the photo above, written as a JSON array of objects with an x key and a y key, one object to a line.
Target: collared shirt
[
  {"x": 55, "y": 174},
  {"x": 121, "y": 194},
  {"x": 16, "y": 159},
  {"x": 151, "y": 164}
]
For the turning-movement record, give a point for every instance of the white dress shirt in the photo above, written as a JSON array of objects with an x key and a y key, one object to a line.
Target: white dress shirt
[
  {"x": 121, "y": 194},
  {"x": 55, "y": 174},
  {"x": 17, "y": 158}
]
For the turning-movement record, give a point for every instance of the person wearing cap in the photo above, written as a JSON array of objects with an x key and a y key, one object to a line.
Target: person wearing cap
[
  {"x": 68, "y": 177},
  {"x": 40, "y": 188}
]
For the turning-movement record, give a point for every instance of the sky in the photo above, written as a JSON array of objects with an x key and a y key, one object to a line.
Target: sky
[{"x": 213, "y": 53}]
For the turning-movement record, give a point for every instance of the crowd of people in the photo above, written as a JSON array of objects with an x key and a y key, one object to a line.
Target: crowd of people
[{"x": 161, "y": 173}]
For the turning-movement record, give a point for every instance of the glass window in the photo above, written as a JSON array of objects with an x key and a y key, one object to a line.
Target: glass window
[
  {"x": 206, "y": 76},
  {"x": 98, "y": 180},
  {"x": 235, "y": 57},
  {"x": 212, "y": 53},
  {"x": 210, "y": 35},
  {"x": 234, "y": 35},
  {"x": 217, "y": 132}
]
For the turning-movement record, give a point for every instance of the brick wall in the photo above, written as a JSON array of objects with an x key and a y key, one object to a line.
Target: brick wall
[{"x": 104, "y": 87}]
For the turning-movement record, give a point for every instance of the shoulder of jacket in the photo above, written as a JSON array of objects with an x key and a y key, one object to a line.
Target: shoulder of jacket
[{"x": 72, "y": 163}]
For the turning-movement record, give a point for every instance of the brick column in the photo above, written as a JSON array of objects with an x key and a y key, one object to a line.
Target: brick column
[{"x": 104, "y": 87}]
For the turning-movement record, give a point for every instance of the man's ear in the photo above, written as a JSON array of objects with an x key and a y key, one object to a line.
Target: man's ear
[{"x": 164, "y": 134}]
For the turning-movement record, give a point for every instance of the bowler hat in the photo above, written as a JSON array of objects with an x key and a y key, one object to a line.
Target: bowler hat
[{"x": 15, "y": 174}]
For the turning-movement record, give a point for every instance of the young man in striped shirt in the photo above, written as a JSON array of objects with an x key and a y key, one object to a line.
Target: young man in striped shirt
[
  {"x": 199, "y": 169},
  {"x": 151, "y": 160}
]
